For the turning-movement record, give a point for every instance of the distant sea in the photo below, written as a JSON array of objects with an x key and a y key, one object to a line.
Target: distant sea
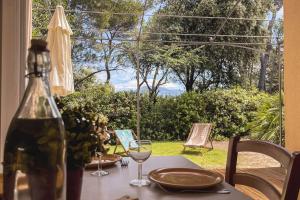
[{"x": 165, "y": 91}]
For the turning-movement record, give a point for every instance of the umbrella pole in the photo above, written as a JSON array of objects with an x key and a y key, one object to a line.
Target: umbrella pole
[
  {"x": 138, "y": 97},
  {"x": 138, "y": 90}
]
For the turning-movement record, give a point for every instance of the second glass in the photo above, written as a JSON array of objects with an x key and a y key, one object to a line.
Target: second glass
[
  {"x": 140, "y": 151},
  {"x": 100, "y": 171}
]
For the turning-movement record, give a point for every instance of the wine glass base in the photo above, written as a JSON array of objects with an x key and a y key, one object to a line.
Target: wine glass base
[
  {"x": 139, "y": 183},
  {"x": 99, "y": 173}
]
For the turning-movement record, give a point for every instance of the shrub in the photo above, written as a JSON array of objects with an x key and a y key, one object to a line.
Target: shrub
[
  {"x": 171, "y": 118},
  {"x": 266, "y": 122},
  {"x": 118, "y": 107},
  {"x": 231, "y": 110}
]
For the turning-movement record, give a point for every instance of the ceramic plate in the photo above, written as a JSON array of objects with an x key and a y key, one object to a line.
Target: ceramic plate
[
  {"x": 106, "y": 161},
  {"x": 185, "y": 178}
]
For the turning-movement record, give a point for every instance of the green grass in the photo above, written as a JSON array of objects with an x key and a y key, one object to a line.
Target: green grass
[{"x": 203, "y": 157}]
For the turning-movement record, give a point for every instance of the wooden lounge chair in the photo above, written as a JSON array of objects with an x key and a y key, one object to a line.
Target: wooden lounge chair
[
  {"x": 199, "y": 136},
  {"x": 124, "y": 137}
]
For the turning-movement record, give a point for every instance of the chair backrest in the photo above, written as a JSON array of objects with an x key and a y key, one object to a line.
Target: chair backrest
[
  {"x": 291, "y": 162},
  {"x": 199, "y": 133},
  {"x": 125, "y": 137}
]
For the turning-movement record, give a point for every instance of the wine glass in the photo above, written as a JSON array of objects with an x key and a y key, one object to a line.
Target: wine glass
[
  {"x": 140, "y": 151},
  {"x": 99, "y": 171}
]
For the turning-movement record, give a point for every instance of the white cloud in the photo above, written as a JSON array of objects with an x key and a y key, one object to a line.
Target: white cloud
[
  {"x": 173, "y": 86},
  {"x": 126, "y": 85}
]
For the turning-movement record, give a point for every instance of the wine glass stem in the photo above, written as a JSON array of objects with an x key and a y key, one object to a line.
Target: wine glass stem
[
  {"x": 100, "y": 158},
  {"x": 98, "y": 164},
  {"x": 139, "y": 171}
]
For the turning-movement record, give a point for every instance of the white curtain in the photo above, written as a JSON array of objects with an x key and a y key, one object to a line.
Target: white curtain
[{"x": 16, "y": 34}]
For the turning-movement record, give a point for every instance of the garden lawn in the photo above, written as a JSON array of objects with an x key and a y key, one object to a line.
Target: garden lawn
[{"x": 203, "y": 157}]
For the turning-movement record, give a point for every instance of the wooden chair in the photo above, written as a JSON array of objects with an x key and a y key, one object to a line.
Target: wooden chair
[
  {"x": 199, "y": 135},
  {"x": 291, "y": 162},
  {"x": 124, "y": 137}
]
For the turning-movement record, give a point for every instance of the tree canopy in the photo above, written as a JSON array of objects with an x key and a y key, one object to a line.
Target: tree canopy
[
  {"x": 209, "y": 65},
  {"x": 199, "y": 62}
]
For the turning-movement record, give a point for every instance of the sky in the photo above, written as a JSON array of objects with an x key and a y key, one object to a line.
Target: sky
[
  {"x": 280, "y": 14},
  {"x": 124, "y": 80}
]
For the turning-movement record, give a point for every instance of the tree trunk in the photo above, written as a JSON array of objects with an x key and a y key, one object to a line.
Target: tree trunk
[
  {"x": 189, "y": 86},
  {"x": 250, "y": 75},
  {"x": 153, "y": 96},
  {"x": 190, "y": 74},
  {"x": 264, "y": 58},
  {"x": 108, "y": 76},
  {"x": 108, "y": 57}
]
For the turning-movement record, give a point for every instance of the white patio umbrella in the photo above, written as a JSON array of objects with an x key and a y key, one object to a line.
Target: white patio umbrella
[{"x": 59, "y": 44}]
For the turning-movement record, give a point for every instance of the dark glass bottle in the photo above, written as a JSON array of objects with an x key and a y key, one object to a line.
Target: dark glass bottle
[{"x": 34, "y": 153}]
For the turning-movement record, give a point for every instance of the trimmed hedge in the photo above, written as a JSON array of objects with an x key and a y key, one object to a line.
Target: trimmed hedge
[{"x": 170, "y": 118}]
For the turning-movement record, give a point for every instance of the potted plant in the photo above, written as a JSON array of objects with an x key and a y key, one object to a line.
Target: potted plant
[{"x": 83, "y": 128}]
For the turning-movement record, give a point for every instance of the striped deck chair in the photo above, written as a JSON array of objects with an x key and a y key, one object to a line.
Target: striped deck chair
[
  {"x": 199, "y": 136},
  {"x": 124, "y": 137}
]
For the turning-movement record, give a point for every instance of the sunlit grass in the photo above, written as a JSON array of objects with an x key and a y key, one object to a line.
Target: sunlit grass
[{"x": 203, "y": 157}]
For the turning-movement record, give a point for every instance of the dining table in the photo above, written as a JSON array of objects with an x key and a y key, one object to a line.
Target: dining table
[{"x": 116, "y": 184}]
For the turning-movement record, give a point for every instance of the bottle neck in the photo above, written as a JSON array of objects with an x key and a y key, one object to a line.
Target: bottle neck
[{"x": 39, "y": 85}]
